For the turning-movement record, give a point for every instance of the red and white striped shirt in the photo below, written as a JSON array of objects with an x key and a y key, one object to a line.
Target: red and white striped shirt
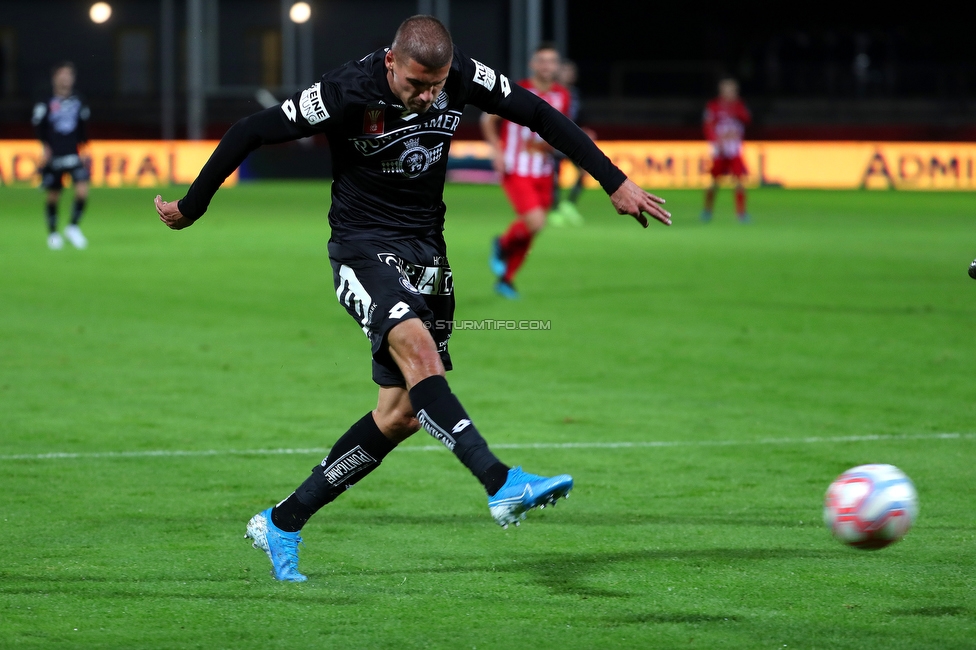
[{"x": 523, "y": 154}]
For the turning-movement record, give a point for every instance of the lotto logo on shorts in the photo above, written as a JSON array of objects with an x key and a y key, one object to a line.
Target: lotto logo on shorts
[{"x": 484, "y": 75}]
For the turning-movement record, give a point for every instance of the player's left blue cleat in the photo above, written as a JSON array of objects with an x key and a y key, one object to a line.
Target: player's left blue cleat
[
  {"x": 506, "y": 290},
  {"x": 523, "y": 491},
  {"x": 706, "y": 216},
  {"x": 281, "y": 546},
  {"x": 744, "y": 218},
  {"x": 497, "y": 259}
]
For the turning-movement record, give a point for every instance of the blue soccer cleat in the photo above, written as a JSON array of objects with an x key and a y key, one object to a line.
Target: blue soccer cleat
[
  {"x": 706, "y": 216},
  {"x": 506, "y": 290},
  {"x": 281, "y": 547},
  {"x": 497, "y": 260},
  {"x": 523, "y": 491}
]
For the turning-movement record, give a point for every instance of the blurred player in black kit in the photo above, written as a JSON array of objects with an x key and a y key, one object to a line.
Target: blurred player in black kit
[
  {"x": 389, "y": 118},
  {"x": 61, "y": 125}
]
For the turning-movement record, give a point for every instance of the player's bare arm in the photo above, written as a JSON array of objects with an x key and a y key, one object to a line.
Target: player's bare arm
[
  {"x": 270, "y": 126},
  {"x": 523, "y": 107},
  {"x": 489, "y": 129}
]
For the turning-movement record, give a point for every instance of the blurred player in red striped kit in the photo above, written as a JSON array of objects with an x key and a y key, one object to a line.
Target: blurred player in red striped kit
[
  {"x": 525, "y": 163},
  {"x": 725, "y": 121}
]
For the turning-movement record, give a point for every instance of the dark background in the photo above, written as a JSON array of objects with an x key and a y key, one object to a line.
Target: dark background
[{"x": 807, "y": 70}]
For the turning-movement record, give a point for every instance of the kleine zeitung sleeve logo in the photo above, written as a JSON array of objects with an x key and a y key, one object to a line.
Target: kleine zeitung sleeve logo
[
  {"x": 483, "y": 75},
  {"x": 312, "y": 106}
]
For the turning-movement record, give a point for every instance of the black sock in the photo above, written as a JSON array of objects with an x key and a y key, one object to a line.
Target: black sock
[
  {"x": 77, "y": 211},
  {"x": 574, "y": 193},
  {"x": 358, "y": 452},
  {"x": 51, "y": 212},
  {"x": 440, "y": 412}
]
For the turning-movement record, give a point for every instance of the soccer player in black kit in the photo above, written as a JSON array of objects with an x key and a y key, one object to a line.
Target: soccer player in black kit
[
  {"x": 61, "y": 125},
  {"x": 389, "y": 118}
]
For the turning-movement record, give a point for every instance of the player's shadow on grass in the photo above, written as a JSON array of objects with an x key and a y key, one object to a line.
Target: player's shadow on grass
[
  {"x": 568, "y": 573},
  {"x": 934, "y": 612},
  {"x": 573, "y": 574},
  {"x": 663, "y": 617},
  {"x": 358, "y": 517}
]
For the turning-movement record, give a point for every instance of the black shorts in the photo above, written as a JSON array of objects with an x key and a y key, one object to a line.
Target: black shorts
[
  {"x": 382, "y": 284},
  {"x": 52, "y": 174}
]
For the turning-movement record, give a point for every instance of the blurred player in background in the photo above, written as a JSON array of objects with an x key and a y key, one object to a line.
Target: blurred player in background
[
  {"x": 61, "y": 125},
  {"x": 525, "y": 162},
  {"x": 565, "y": 210},
  {"x": 725, "y": 121}
]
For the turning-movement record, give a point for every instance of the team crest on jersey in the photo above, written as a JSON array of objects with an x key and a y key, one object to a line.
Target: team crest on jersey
[
  {"x": 442, "y": 101},
  {"x": 373, "y": 120},
  {"x": 415, "y": 159},
  {"x": 435, "y": 280}
]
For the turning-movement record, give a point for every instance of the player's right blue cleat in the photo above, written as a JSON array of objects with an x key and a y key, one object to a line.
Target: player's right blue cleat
[
  {"x": 281, "y": 547},
  {"x": 506, "y": 290},
  {"x": 706, "y": 216},
  {"x": 497, "y": 259},
  {"x": 523, "y": 491}
]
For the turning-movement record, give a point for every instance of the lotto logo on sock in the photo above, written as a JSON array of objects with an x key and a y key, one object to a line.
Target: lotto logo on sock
[{"x": 349, "y": 464}]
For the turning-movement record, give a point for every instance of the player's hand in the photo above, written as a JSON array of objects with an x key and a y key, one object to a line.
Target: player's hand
[
  {"x": 539, "y": 146},
  {"x": 631, "y": 199},
  {"x": 498, "y": 161},
  {"x": 169, "y": 213}
]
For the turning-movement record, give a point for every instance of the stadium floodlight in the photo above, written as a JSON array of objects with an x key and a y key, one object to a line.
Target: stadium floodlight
[
  {"x": 300, "y": 12},
  {"x": 100, "y": 12}
]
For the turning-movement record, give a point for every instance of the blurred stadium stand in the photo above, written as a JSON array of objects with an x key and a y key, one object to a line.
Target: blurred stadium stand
[{"x": 646, "y": 69}]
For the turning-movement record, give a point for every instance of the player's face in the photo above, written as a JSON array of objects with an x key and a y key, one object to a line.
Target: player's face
[
  {"x": 545, "y": 65},
  {"x": 728, "y": 90},
  {"x": 413, "y": 84},
  {"x": 63, "y": 81}
]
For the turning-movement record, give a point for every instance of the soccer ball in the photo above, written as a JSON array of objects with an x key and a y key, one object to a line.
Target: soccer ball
[{"x": 870, "y": 506}]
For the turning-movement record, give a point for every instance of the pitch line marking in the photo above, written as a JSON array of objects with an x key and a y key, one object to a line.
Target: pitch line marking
[{"x": 646, "y": 444}]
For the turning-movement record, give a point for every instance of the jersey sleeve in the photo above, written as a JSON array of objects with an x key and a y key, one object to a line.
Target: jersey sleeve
[
  {"x": 492, "y": 92},
  {"x": 744, "y": 115},
  {"x": 83, "y": 116},
  {"x": 40, "y": 122},
  {"x": 708, "y": 123},
  {"x": 306, "y": 113}
]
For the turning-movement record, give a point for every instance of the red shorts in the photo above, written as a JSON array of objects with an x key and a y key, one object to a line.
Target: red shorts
[
  {"x": 527, "y": 194},
  {"x": 725, "y": 166}
]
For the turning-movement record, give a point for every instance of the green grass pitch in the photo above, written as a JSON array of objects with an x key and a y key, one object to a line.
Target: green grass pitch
[{"x": 754, "y": 349}]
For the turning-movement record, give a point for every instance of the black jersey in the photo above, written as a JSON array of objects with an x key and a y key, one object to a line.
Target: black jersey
[
  {"x": 390, "y": 164},
  {"x": 62, "y": 124}
]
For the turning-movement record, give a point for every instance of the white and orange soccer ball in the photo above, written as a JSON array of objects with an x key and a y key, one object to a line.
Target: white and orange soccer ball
[{"x": 870, "y": 506}]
